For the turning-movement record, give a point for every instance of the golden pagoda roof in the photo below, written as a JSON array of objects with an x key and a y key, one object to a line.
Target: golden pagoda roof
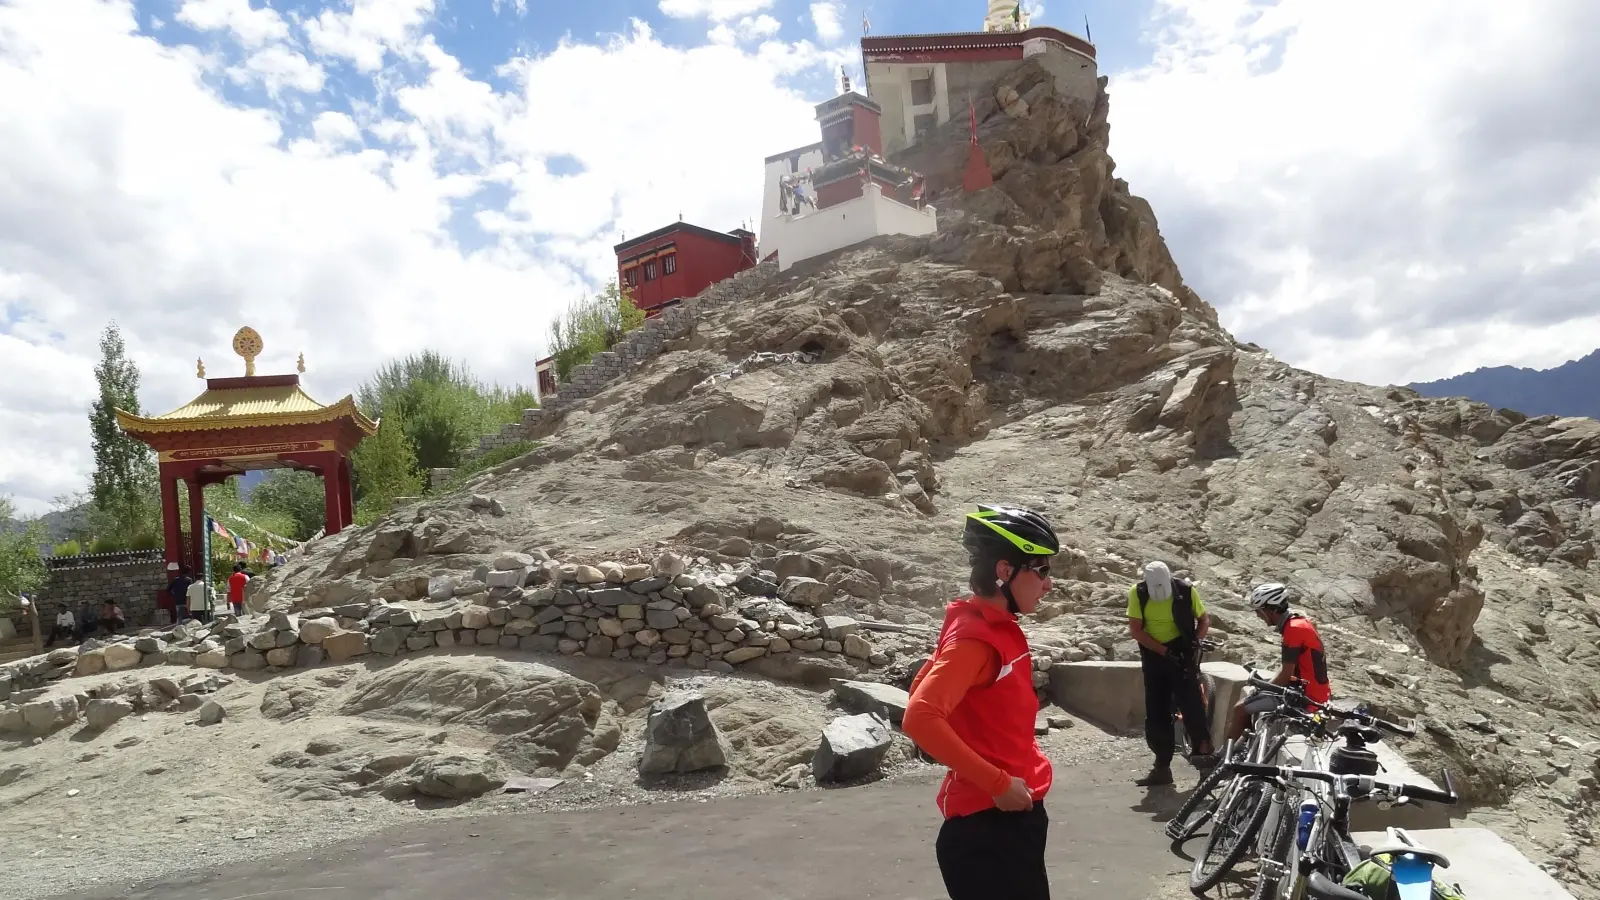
[{"x": 246, "y": 403}]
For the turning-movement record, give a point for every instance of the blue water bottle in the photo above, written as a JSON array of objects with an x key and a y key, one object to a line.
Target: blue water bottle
[{"x": 1308, "y": 814}]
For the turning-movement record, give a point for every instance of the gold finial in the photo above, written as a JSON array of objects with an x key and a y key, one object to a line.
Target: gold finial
[
  {"x": 199, "y": 367},
  {"x": 300, "y": 364},
  {"x": 247, "y": 343}
]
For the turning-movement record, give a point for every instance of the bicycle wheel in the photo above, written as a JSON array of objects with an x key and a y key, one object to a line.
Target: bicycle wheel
[
  {"x": 1234, "y": 835},
  {"x": 1199, "y": 808},
  {"x": 1274, "y": 874}
]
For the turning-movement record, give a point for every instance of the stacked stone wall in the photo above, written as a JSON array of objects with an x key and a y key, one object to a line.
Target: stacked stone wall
[{"x": 134, "y": 579}]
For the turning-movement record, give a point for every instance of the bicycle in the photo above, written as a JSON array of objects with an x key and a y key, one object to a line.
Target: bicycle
[
  {"x": 1241, "y": 809},
  {"x": 1261, "y": 742},
  {"x": 1181, "y": 734},
  {"x": 1317, "y": 854}
]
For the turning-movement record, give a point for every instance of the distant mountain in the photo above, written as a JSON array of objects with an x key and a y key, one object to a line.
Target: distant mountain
[
  {"x": 59, "y": 524},
  {"x": 1568, "y": 390}
]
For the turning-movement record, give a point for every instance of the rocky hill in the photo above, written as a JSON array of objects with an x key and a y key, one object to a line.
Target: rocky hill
[
  {"x": 1042, "y": 349},
  {"x": 1566, "y": 390}
]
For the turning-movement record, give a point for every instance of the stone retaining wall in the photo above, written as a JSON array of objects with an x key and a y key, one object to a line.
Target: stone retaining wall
[{"x": 134, "y": 579}]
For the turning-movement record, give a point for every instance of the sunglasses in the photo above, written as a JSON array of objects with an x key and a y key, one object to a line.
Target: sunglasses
[{"x": 1040, "y": 568}]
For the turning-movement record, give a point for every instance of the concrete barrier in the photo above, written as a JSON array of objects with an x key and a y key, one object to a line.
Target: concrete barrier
[
  {"x": 1109, "y": 694},
  {"x": 1225, "y": 683},
  {"x": 1481, "y": 862}
]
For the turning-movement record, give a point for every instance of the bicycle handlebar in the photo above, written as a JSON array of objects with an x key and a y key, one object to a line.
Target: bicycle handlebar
[
  {"x": 1321, "y": 888},
  {"x": 1365, "y": 783},
  {"x": 1267, "y": 687}
]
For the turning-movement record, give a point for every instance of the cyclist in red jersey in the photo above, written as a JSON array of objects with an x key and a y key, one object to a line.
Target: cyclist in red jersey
[
  {"x": 973, "y": 708},
  {"x": 1304, "y": 660}
]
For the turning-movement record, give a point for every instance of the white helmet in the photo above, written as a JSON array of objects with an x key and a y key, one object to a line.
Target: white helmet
[{"x": 1271, "y": 595}]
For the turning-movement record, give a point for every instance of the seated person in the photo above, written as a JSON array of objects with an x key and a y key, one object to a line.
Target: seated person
[
  {"x": 111, "y": 620},
  {"x": 66, "y": 628},
  {"x": 88, "y": 620}
]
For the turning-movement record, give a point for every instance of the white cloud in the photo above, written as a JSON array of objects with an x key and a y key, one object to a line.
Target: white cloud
[
  {"x": 277, "y": 68},
  {"x": 208, "y": 215},
  {"x": 825, "y": 16},
  {"x": 369, "y": 30},
  {"x": 335, "y": 128},
  {"x": 749, "y": 28},
  {"x": 521, "y": 6},
  {"x": 251, "y": 26},
  {"x": 716, "y": 10},
  {"x": 1376, "y": 192}
]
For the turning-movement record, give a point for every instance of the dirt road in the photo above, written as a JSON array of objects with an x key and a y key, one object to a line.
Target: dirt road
[{"x": 873, "y": 842}]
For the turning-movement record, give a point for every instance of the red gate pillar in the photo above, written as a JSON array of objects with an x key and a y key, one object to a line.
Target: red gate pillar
[
  {"x": 346, "y": 493},
  {"x": 171, "y": 519},
  {"x": 197, "y": 525},
  {"x": 333, "y": 505}
]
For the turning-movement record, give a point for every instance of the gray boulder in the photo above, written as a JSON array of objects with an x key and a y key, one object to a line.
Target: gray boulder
[
  {"x": 884, "y": 700},
  {"x": 457, "y": 776},
  {"x": 103, "y": 714},
  {"x": 211, "y": 712},
  {"x": 802, "y": 591},
  {"x": 852, "y": 747},
  {"x": 680, "y": 737}
]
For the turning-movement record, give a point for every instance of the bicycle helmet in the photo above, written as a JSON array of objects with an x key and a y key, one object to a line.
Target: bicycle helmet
[
  {"x": 1009, "y": 533},
  {"x": 1272, "y": 595}
]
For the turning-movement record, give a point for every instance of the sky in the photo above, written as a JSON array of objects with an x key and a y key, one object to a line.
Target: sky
[{"x": 1381, "y": 192}]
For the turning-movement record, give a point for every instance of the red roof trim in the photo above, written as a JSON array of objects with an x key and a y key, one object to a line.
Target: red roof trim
[{"x": 970, "y": 40}]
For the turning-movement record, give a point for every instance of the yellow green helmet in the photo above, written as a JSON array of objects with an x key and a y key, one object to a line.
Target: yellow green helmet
[{"x": 1009, "y": 531}]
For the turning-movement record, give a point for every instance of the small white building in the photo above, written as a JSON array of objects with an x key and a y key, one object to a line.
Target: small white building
[{"x": 840, "y": 191}]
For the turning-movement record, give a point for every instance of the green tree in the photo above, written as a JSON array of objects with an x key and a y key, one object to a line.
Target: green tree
[
  {"x": 445, "y": 409},
  {"x": 592, "y": 325},
  {"x": 21, "y": 569},
  {"x": 297, "y": 496},
  {"x": 385, "y": 467},
  {"x": 123, "y": 484}
]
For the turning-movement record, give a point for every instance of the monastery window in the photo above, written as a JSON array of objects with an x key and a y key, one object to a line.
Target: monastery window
[
  {"x": 923, "y": 124},
  {"x": 669, "y": 264},
  {"x": 650, "y": 271},
  {"x": 922, "y": 91},
  {"x": 631, "y": 276}
]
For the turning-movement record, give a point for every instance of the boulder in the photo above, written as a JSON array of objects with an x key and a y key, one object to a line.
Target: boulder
[
  {"x": 248, "y": 661},
  {"x": 802, "y": 591},
  {"x": 212, "y": 659},
  {"x": 211, "y": 712},
  {"x": 315, "y": 631},
  {"x": 680, "y": 737},
  {"x": 91, "y": 663},
  {"x": 884, "y": 700},
  {"x": 669, "y": 565},
  {"x": 121, "y": 656},
  {"x": 834, "y": 628},
  {"x": 390, "y": 641},
  {"x": 282, "y": 657},
  {"x": 456, "y": 776},
  {"x": 308, "y": 655},
  {"x": 102, "y": 714},
  {"x": 856, "y": 647},
  {"x": 442, "y": 587},
  {"x": 43, "y": 717},
  {"x": 265, "y": 640},
  {"x": 744, "y": 654},
  {"x": 509, "y": 561},
  {"x": 638, "y": 572},
  {"x": 345, "y": 645},
  {"x": 588, "y": 575},
  {"x": 475, "y": 617},
  {"x": 851, "y": 747}
]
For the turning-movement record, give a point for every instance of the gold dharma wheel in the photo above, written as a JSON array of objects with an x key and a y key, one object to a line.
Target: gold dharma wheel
[{"x": 248, "y": 344}]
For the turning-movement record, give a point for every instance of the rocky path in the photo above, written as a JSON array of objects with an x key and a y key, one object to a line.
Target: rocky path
[{"x": 875, "y": 842}]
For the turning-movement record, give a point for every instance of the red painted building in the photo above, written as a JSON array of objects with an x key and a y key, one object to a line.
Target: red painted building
[{"x": 679, "y": 261}]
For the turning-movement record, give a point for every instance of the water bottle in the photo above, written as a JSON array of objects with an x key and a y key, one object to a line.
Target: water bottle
[{"x": 1308, "y": 815}]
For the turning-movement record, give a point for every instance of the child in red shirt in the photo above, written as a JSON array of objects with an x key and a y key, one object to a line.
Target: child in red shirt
[{"x": 236, "y": 583}]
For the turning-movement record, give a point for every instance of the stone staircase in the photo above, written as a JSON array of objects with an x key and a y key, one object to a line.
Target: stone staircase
[{"x": 640, "y": 346}]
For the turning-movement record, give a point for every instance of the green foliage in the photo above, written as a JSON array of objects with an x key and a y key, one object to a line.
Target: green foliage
[
  {"x": 123, "y": 483},
  {"x": 488, "y": 460},
  {"x": 444, "y": 407},
  {"x": 21, "y": 569},
  {"x": 592, "y": 325},
  {"x": 297, "y": 496},
  {"x": 145, "y": 541},
  {"x": 67, "y": 548},
  {"x": 385, "y": 468}
]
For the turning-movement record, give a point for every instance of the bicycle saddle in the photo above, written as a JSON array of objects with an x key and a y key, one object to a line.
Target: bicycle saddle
[{"x": 1401, "y": 842}]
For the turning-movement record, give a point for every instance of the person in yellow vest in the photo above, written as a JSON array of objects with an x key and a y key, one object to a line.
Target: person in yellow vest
[{"x": 1168, "y": 619}]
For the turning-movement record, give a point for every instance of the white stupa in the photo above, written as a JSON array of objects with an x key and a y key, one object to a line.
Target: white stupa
[{"x": 1004, "y": 15}]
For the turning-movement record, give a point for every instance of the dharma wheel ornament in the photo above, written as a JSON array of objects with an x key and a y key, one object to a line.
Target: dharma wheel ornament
[{"x": 247, "y": 343}]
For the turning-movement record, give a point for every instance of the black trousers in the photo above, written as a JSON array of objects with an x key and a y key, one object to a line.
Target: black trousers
[
  {"x": 994, "y": 854},
  {"x": 1167, "y": 689}
]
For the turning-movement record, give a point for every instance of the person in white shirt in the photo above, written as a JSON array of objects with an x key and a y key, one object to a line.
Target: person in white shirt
[
  {"x": 66, "y": 627},
  {"x": 200, "y": 601}
]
